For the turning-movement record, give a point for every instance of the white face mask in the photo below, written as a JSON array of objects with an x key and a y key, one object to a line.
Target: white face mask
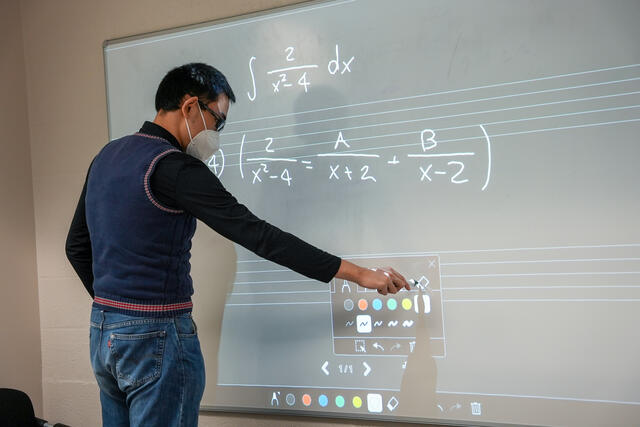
[{"x": 204, "y": 144}]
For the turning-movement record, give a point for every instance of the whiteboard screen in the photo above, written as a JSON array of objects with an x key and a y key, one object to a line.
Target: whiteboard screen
[{"x": 487, "y": 149}]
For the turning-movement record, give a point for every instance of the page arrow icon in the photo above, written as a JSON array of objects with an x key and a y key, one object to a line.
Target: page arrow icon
[
  {"x": 324, "y": 367},
  {"x": 367, "y": 368}
]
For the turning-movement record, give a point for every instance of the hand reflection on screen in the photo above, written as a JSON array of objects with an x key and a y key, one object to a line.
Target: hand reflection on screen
[{"x": 419, "y": 381}]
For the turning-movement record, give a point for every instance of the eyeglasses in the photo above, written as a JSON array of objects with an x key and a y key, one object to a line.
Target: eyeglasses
[{"x": 220, "y": 119}]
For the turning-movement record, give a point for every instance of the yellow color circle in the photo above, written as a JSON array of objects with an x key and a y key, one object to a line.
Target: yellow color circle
[
  {"x": 357, "y": 402},
  {"x": 406, "y": 304}
]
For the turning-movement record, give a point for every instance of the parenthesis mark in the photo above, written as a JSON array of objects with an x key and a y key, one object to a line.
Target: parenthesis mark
[
  {"x": 223, "y": 162},
  {"x": 253, "y": 80},
  {"x": 486, "y": 137},
  {"x": 240, "y": 162}
]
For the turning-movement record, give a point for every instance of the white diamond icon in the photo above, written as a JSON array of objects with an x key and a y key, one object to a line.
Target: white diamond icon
[
  {"x": 424, "y": 282},
  {"x": 392, "y": 403}
]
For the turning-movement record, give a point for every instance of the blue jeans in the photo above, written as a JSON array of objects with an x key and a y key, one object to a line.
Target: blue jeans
[{"x": 150, "y": 370}]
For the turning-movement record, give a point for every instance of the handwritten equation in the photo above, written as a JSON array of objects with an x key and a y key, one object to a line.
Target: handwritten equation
[
  {"x": 431, "y": 163},
  {"x": 295, "y": 75}
]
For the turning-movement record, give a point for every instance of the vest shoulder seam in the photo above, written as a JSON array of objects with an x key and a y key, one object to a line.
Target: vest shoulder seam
[{"x": 147, "y": 186}]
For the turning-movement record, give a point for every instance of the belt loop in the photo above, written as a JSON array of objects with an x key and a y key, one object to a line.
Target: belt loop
[{"x": 101, "y": 318}]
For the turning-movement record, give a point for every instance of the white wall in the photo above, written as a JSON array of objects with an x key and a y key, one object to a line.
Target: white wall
[{"x": 19, "y": 318}]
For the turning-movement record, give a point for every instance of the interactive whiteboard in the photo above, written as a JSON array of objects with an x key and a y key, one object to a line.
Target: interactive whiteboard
[{"x": 487, "y": 149}]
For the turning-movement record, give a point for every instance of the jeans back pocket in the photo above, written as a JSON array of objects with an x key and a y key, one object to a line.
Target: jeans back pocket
[
  {"x": 138, "y": 357},
  {"x": 186, "y": 327}
]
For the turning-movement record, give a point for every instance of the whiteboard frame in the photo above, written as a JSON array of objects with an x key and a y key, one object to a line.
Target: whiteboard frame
[{"x": 108, "y": 45}]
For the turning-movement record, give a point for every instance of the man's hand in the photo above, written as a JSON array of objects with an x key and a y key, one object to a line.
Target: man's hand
[{"x": 385, "y": 280}]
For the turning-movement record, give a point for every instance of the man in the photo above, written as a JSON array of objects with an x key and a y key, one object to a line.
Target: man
[{"x": 130, "y": 242}]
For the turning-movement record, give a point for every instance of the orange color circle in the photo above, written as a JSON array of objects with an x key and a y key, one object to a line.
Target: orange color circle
[
  {"x": 363, "y": 304},
  {"x": 306, "y": 399}
]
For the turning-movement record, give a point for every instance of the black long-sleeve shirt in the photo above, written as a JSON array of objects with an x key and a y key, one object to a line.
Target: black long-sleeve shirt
[{"x": 181, "y": 181}]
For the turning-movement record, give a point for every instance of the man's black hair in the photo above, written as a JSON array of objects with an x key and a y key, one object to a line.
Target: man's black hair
[{"x": 195, "y": 79}]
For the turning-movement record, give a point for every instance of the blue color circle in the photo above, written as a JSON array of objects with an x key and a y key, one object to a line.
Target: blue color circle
[
  {"x": 323, "y": 400},
  {"x": 377, "y": 304}
]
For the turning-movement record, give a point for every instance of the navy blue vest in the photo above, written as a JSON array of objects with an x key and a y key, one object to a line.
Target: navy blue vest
[{"x": 141, "y": 249}]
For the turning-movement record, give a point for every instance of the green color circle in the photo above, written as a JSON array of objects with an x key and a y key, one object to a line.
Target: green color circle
[{"x": 339, "y": 401}]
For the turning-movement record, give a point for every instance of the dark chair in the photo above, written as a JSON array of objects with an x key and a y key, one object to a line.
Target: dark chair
[{"x": 16, "y": 410}]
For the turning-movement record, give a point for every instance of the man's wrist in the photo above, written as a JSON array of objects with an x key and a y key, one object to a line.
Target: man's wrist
[{"x": 350, "y": 271}]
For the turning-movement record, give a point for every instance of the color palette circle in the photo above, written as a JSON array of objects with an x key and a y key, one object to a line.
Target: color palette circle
[
  {"x": 339, "y": 401},
  {"x": 356, "y": 401},
  {"x": 363, "y": 304},
  {"x": 348, "y": 305},
  {"x": 377, "y": 304},
  {"x": 406, "y": 303},
  {"x": 392, "y": 304},
  {"x": 290, "y": 399},
  {"x": 306, "y": 399},
  {"x": 323, "y": 400}
]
